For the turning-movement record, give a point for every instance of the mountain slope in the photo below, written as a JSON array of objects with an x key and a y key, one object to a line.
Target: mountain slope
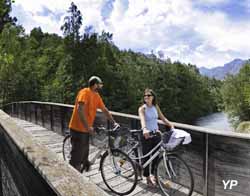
[{"x": 220, "y": 73}]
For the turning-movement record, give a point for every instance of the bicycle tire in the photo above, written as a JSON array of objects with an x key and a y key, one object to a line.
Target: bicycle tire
[
  {"x": 181, "y": 180},
  {"x": 66, "y": 148},
  {"x": 116, "y": 168},
  {"x": 134, "y": 156}
]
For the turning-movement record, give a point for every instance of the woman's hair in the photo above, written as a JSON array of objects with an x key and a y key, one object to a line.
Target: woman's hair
[{"x": 148, "y": 90}]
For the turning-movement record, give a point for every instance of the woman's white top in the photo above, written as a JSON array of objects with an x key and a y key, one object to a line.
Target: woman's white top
[{"x": 151, "y": 117}]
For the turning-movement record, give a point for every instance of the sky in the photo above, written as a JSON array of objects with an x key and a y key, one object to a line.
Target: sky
[{"x": 206, "y": 33}]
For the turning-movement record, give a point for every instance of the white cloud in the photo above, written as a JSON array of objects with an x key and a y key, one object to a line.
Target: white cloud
[
  {"x": 37, "y": 6},
  {"x": 90, "y": 10},
  {"x": 149, "y": 30},
  {"x": 176, "y": 27},
  {"x": 221, "y": 33},
  {"x": 211, "y": 2}
]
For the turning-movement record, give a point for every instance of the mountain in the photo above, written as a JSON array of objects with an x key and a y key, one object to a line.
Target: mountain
[{"x": 220, "y": 73}]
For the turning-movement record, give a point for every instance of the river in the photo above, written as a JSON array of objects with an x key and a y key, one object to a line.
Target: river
[{"x": 217, "y": 121}]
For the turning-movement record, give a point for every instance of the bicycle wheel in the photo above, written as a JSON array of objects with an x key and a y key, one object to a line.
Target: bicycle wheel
[
  {"x": 134, "y": 155},
  {"x": 67, "y": 148},
  {"x": 174, "y": 176},
  {"x": 116, "y": 169}
]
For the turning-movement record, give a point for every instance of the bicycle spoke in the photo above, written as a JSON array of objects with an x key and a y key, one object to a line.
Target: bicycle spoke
[
  {"x": 176, "y": 179},
  {"x": 118, "y": 170}
]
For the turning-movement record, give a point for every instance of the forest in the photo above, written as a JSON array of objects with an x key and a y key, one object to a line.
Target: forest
[{"x": 48, "y": 67}]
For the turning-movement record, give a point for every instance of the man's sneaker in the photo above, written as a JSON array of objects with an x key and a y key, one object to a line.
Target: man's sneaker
[{"x": 88, "y": 166}]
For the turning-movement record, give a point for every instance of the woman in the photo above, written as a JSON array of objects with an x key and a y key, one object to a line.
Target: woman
[{"x": 149, "y": 113}]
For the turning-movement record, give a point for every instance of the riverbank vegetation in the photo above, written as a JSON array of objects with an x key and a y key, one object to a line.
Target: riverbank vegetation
[{"x": 236, "y": 95}]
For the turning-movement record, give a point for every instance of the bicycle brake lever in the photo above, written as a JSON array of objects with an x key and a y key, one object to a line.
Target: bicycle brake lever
[{"x": 116, "y": 126}]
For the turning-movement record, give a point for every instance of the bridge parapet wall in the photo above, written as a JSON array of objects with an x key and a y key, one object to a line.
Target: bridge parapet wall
[{"x": 29, "y": 168}]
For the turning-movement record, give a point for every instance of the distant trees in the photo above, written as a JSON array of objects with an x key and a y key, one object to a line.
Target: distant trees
[
  {"x": 10, "y": 69},
  {"x": 47, "y": 67},
  {"x": 236, "y": 95}
]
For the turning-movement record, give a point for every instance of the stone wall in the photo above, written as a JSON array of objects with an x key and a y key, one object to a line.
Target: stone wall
[
  {"x": 30, "y": 169},
  {"x": 8, "y": 184}
]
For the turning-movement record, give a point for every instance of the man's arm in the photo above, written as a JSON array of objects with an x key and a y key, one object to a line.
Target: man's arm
[
  {"x": 108, "y": 115},
  {"x": 81, "y": 115}
]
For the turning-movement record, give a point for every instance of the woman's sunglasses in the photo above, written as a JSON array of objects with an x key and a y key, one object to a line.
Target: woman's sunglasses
[{"x": 148, "y": 95}]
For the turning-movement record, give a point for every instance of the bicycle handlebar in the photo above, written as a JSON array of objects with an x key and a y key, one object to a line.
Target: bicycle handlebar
[
  {"x": 116, "y": 126},
  {"x": 113, "y": 129}
]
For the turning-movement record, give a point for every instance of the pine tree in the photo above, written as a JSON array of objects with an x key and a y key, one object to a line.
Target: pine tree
[{"x": 5, "y": 9}]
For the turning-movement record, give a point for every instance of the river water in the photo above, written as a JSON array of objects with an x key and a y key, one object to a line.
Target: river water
[{"x": 217, "y": 121}]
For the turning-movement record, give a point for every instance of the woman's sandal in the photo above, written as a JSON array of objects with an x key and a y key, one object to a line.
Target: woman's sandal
[{"x": 151, "y": 182}]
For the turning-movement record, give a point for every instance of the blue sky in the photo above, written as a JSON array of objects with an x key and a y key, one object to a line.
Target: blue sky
[{"x": 202, "y": 32}]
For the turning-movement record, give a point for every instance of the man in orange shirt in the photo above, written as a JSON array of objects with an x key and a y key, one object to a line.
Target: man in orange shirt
[{"x": 87, "y": 102}]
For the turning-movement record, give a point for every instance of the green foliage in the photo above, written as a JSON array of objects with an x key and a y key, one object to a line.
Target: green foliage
[
  {"x": 47, "y": 67},
  {"x": 236, "y": 95},
  {"x": 10, "y": 74},
  {"x": 5, "y": 9},
  {"x": 72, "y": 23},
  {"x": 243, "y": 127}
]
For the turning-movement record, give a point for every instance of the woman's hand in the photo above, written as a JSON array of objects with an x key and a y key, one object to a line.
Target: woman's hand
[
  {"x": 159, "y": 132},
  {"x": 170, "y": 126},
  {"x": 146, "y": 133}
]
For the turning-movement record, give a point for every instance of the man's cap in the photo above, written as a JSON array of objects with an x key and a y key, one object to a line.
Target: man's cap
[{"x": 94, "y": 80}]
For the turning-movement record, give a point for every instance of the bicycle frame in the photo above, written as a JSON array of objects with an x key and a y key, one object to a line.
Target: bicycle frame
[
  {"x": 165, "y": 155},
  {"x": 170, "y": 164},
  {"x": 153, "y": 153},
  {"x": 106, "y": 146},
  {"x": 101, "y": 149}
]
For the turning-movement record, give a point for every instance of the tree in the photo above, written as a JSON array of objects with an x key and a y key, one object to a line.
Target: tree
[
  {"x": 72, "y": 61},
  {"x": 5, "y": 9},
  {"x": 72, "y": 23},
  {"x": 10, "y": 70},
  {"x": 236, "y": 95},
  {"x": 47, "y": 67}
]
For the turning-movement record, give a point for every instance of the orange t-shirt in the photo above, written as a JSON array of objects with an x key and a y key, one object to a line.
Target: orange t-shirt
[{"x": 92, "y": 101}]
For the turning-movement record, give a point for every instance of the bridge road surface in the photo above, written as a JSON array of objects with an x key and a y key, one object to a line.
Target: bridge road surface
[{"x": 53, "y": 141}]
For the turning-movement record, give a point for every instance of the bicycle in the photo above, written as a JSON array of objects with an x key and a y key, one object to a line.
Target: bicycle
[
  {"x": 173, "y": 175},
  {"x": 115, "y": 165}
]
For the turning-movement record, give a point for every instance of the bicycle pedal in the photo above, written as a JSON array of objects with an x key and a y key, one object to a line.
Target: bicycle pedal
[
  {"x": 122, "y": 161},
  {"x": 167, "y": 184}
]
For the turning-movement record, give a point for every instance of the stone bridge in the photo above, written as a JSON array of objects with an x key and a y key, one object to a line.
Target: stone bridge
[{"x": 31, "y": 163}]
